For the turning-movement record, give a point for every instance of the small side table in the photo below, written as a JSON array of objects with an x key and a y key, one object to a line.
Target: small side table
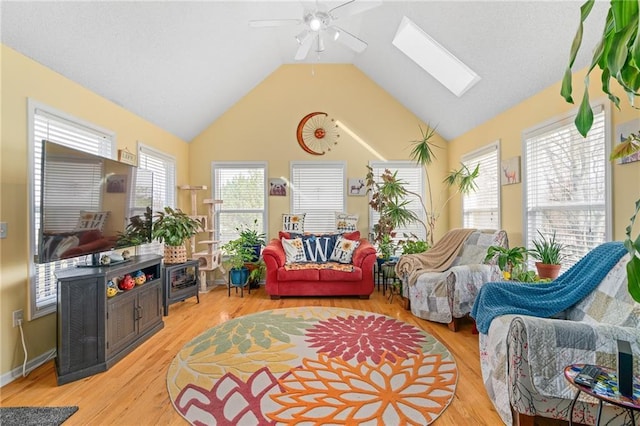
[{"x": 605, "y": 390}]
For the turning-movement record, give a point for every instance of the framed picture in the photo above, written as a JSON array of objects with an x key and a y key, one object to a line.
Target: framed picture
[
  {"x": 117, "y": 184},
  {"x": 277, "y": 187},
  {"x": 510, "y": 171},
  {"x": 356, "y": 187},
  {"x": 622, "y": 132}
]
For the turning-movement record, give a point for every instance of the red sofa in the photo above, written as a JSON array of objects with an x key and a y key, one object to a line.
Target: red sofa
[{"x": 319, "y": 282}]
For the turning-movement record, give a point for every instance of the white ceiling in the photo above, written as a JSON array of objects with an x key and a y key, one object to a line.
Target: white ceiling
[{"x": 181, "y": 65}]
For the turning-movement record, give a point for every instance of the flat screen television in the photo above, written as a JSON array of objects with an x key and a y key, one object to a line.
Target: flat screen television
[{"x": 86, "y": 203}]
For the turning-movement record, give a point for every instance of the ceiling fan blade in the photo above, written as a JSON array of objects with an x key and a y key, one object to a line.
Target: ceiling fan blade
[
  {"x": 305, "y": 46},
  {"x": 353, "y": 7},
  {"x": 349, "y": 40},
  {"x": 261, "y": 23}
]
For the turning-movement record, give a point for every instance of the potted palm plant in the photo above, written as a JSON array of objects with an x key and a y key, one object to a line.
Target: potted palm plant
[
  {"x": 548, "y": 251},
  {"x": 173, "y": 227}
]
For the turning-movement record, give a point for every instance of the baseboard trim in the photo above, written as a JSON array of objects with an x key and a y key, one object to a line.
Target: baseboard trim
[{"x": 12, "y": 375}]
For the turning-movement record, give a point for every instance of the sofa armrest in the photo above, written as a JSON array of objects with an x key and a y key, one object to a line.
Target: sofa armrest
[
  {"x": 362, "y": 251},
  {"x": 273, "y": 255}
]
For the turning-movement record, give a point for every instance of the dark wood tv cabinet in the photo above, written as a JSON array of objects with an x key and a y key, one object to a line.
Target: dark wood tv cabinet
[{"x": 94, "y": 331}]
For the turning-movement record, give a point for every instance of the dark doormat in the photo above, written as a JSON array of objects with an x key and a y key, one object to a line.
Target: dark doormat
[{"x": 40, "y": 416}]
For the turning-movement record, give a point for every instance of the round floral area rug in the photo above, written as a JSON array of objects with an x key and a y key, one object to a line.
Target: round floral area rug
[{"x": 312, "y": 366}]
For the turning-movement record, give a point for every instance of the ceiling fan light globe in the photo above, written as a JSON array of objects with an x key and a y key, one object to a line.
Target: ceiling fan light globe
[{"x": 315, "y": 24}]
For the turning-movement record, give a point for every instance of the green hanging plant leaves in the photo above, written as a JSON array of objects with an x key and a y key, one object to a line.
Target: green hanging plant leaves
[{"x": 617, "y": 55}]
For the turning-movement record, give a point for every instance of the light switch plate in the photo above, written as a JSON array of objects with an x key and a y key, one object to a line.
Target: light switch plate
[{"x": 3, "y": 229}]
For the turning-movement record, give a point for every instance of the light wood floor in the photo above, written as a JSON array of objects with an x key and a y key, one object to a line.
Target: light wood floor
[{"x": 133, "y": 392}]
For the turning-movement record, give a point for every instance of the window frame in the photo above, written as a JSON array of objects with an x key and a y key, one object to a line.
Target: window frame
[
  {"x": 215, "y": 165},
  {"x": 471, "y": 156},
  {"x": 34, "y": 311},
  {"x": 317, "y": 164},
  {"x": 558, "y": 122}
]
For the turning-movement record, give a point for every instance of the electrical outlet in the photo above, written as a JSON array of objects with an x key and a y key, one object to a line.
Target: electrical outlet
[
  {"x": 17, "y": 317},
  {"x": 3, "y": 229}
]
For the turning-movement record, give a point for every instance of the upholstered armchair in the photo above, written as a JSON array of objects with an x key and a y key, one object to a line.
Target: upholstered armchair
[
  {"x": 523, "y": 357},
  {"x": 448, "y": 296}
]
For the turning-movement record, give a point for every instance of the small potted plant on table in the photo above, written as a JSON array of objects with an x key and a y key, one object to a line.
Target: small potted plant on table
[
  {"x": 252, "y": 239},
  {"x": 508, "y": 259}
]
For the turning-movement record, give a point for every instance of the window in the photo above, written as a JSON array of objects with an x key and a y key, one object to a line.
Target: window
[
  {"x": 413, "y": 177},
  {"x": 242, "y": 189},
  {"x": 163, "y": 167},
  {"x": 566, "y": 184},
  {"x": 47, "y": 123},
  {"x": 318, "y": 189},
  {"x": 481, "y": 208},
  {"x": 162, "y": 186}
]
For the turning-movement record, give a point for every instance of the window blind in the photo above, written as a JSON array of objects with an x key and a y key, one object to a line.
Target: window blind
[
  {"x": 163, "y": 183},
  {"x": 481, "y": 208},
  {"x": 413, "y": 177},
  {"x": 318, "y": 189},
  {"x": 46, "y": 123},
  {"x": 566, "y": 185},
  {"x": 242, "y": 189}
]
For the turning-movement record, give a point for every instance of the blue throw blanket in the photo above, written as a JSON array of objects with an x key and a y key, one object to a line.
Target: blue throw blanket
[{"x": 545, "y": 300}]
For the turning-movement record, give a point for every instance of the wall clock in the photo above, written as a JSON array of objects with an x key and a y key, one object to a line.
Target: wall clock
[{"x": 317, "y": 133}]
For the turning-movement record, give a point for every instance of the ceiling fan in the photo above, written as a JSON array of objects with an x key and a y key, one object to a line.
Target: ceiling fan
[{"x": 319, "y": 23}]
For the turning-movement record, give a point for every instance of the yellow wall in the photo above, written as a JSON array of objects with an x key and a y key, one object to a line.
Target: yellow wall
[
  {"x": 23, "y": 78},
  {"x": 508, "y": 127},
  {"x": 262, "y": 127}
]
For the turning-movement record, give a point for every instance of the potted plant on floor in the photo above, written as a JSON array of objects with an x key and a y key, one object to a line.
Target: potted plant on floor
[
  {"x": 549, "y": 255},
  {"x": 252, "y": 239},
  {"x": 257, "y": 272},
  {"x": 173, "y": 227},
  {"x": 238, "y": 254}
]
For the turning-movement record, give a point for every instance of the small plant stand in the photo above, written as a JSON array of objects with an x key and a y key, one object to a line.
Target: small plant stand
[{"x": 210, "y": 259}]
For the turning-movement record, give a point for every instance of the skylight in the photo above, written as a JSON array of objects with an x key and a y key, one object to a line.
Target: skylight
[{"x": 433, "y": 58}]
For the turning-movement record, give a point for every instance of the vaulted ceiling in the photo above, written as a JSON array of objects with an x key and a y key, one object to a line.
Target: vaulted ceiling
[{"x": 181, "y": 64}]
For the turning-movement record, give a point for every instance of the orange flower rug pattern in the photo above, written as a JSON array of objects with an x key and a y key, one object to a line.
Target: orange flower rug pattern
[{"x": 313, "y": 366}]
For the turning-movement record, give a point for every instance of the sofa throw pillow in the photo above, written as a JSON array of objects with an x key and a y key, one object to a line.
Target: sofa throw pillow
[
  {"x": 318, "y": 248},
  {"x": 91, "y": 220},
  {"x": 293, "y": 222},
  {"x": 343, "y": 251},
  {"x": 293, "y": 250},
  {"x": 346, "y": 222}
]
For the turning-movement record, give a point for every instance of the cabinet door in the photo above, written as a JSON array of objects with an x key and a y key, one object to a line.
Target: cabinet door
[
  {"x": 149, "y": 306},
  {"x": 121, "y": 321},
  {"x": 80, "y": 324}
]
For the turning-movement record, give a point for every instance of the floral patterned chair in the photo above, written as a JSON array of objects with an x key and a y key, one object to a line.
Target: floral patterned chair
[{"x": 448, "y": 296}]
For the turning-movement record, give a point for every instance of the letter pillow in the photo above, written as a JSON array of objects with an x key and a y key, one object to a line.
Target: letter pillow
[
  {"x": 293, "y": 250},
  {"x": 318, "y": 248},
  {"x": 293, "y": 222},
  {"x": 343, "y": 251}
]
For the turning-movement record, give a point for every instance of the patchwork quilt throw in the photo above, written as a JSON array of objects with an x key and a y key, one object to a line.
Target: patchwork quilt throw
[
  {"x": 546, "y": 300},
  {"x": 437, "y": 259}
]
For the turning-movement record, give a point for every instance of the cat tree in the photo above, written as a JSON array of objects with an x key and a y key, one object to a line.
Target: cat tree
[{"x": 210, "y": 259}]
